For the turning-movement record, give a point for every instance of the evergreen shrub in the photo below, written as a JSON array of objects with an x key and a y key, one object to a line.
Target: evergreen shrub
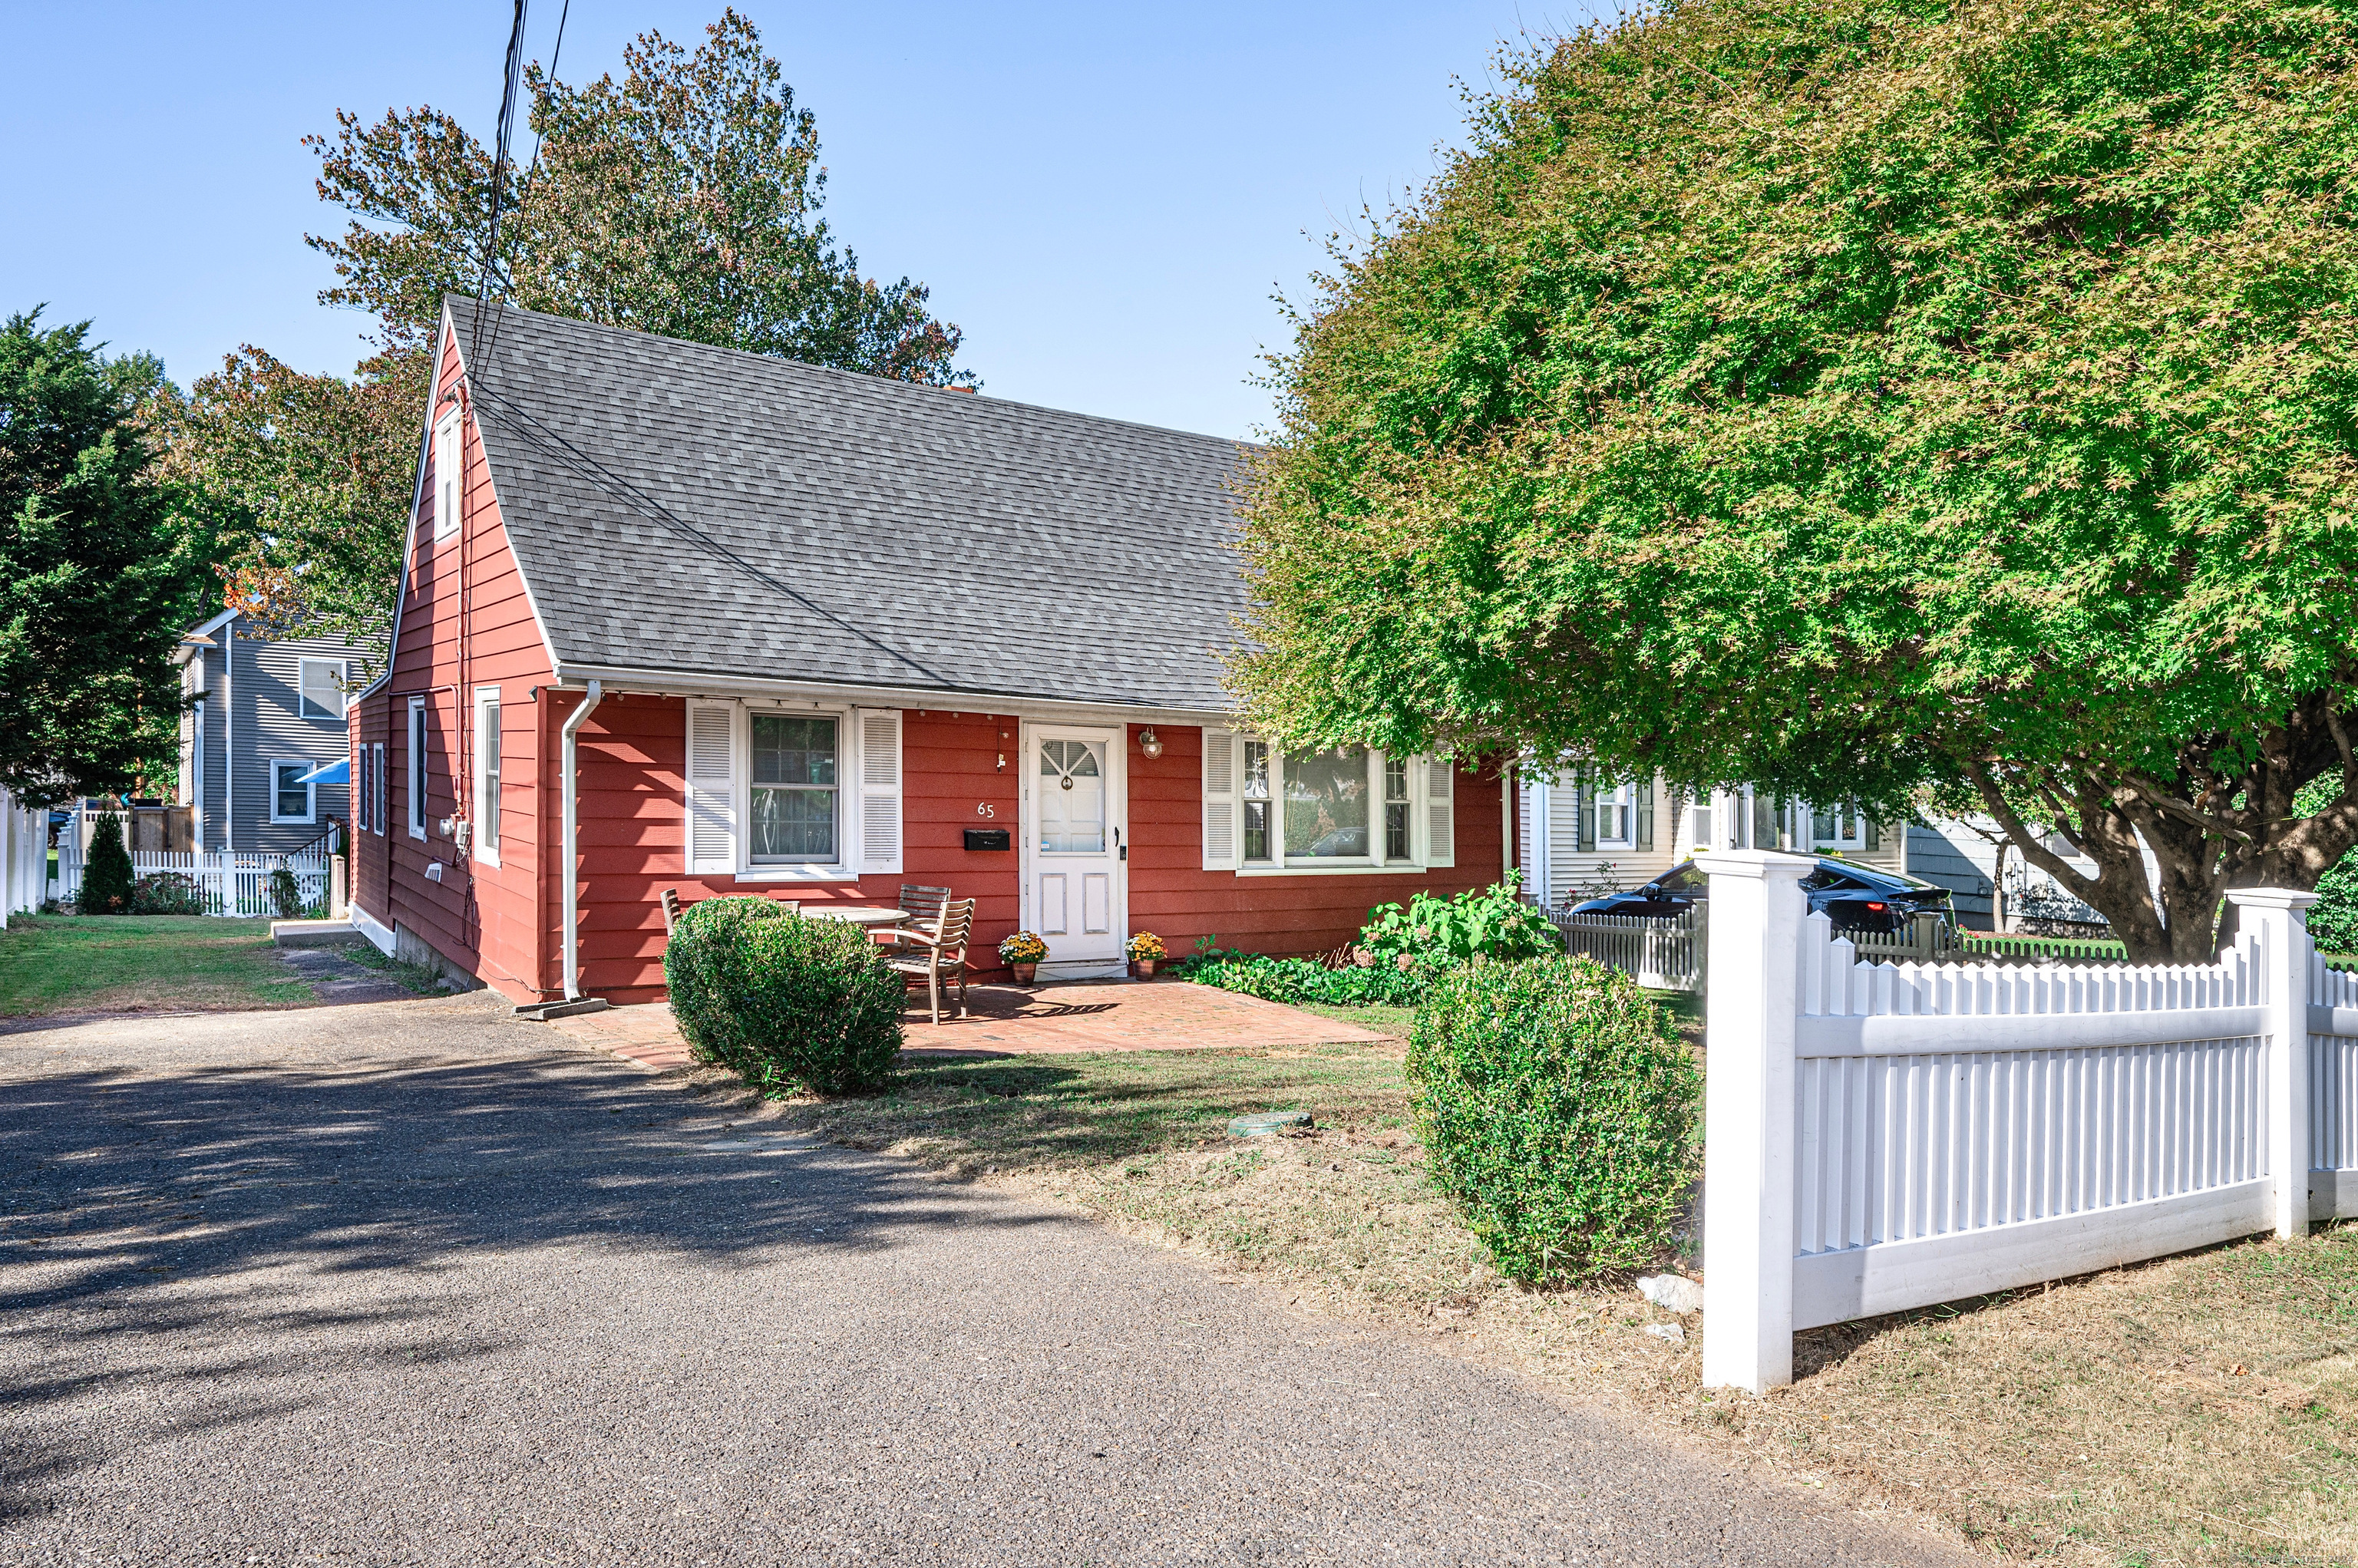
[
  {"x": 106, "y": 876},
  {"x": 1561, "y": 1112},
  {"x": 787, "y": 1004}
]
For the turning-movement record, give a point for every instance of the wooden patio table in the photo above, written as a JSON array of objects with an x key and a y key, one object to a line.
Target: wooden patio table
[{"x": 858, "y": 914}]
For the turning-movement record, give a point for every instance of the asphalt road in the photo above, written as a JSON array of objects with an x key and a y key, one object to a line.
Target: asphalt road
[{"x": 408, "y": 1282}]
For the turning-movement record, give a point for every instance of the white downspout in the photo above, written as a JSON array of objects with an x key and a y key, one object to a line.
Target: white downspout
[
  {"x": 229, "y": 748},
  {"x": 566, "y": 854}
]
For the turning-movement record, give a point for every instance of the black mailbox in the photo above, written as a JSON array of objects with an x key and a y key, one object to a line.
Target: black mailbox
[{"x": 988, "y": 838}]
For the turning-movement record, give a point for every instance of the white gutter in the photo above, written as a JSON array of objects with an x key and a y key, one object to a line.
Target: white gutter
[
  {"x": 566, "y": 764},
  {"x": 706, "y": 684}
]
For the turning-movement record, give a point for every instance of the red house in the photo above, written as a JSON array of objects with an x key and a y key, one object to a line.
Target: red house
[{"x": 678, "y": 616}]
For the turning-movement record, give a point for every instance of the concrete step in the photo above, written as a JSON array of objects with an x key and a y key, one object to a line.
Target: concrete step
[{"x": 315, "y": 933}]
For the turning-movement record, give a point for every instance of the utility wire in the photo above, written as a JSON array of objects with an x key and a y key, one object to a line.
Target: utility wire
[{"x": 511, "y": 79}]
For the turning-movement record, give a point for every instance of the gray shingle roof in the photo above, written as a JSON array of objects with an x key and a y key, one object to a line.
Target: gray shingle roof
[{"x": 700, "y": 511}]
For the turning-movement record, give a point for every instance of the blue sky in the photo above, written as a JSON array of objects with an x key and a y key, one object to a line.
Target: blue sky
[{"x": 1104, "y": 198}]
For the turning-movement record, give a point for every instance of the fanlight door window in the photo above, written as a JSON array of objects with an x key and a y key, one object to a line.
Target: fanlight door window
[{"x": 1072, "y": 797}]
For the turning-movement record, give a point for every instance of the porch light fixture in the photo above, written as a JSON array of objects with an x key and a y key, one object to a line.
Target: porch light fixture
[{"x": 1149, "y": 744}]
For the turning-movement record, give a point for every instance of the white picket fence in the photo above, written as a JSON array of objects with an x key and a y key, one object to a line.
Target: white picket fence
[
  {"x": 1885, "y": 1136},
  {"x": 234, "y": 885},
  {"x": 1671, "y": 952},
  {"x": 24, "y": 856}
]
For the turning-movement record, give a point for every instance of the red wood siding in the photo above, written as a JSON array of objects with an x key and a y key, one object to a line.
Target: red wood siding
[
  {"x": 633, "y": 826},
  {"x": 483, "y": 918},
  {"x": 633, "y": 817},
  {"x": 1172, "y": 895}
]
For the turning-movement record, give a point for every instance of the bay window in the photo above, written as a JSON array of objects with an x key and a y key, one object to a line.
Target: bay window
[{"x": 1346, "y": 808}]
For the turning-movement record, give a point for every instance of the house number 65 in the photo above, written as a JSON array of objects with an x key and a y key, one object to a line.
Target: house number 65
[{"x": 986, "y": 809}]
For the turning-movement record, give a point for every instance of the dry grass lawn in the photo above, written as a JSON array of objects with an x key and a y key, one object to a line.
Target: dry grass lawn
[
  {"x": 159, "y": 963},
  {"x": 2199, "y": 1411}
]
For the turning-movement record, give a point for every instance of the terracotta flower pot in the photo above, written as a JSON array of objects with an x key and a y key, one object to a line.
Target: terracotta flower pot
[
  {"x": 1024, "y": 973},
  {"x": 1145, "y": 967}
]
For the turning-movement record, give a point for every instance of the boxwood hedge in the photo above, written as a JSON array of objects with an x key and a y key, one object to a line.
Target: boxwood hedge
[
  {"x": 1560, "y": 1109},
  {"x": 787, "y": 1003}
]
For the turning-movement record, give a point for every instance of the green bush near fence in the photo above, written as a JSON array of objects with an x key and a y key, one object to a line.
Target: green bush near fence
[
  {"x": 787, "y": 1004},
  {"x": 168, "y": 892},
  {"x": 106, "y": 879},
  {"x": 1561, "y": 1112},
  {"x": 1494, "y": 923}
]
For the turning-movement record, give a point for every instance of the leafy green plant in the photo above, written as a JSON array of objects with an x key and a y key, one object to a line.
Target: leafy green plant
[
  {"x": 1494, "y": 923},
  {"x": 106, "y": 876},
  {"x": 1298, "y": 980},
  {"x": 168, "y": 892},
  {"x": 1560, "y": 1111},
  {"x": 785, "y": 1003},
  {"x": 286, "y": 894}
]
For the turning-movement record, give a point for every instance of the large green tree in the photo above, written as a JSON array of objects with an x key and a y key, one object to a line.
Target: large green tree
[
  {"x": 683, "y": 200},
  {"x": 307, "y": 481},
  {"x": 99, "y": 574},
  {"x": 1881, "y": 401}
]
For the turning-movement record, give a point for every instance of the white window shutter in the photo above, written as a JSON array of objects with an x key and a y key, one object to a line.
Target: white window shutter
[
  {"x": 1219, "y": 800},
  {"x": 711, "y": 786},
  {"x": 879, "y": 789},
  {"x": 1441, "y": 812}
]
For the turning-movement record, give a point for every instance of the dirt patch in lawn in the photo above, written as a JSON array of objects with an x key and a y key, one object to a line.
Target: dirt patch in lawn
[{"x": 2195, "y": 1411}]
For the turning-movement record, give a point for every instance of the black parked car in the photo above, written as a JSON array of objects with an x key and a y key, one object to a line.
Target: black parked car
[{"x": 1855, "y": 897}]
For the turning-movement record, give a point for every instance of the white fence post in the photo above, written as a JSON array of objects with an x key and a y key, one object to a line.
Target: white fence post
[
  {"x": 1756, "y": 908},
  {"x": 2280, "y": 918}
]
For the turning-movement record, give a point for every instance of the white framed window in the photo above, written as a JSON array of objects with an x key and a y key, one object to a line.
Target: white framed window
[
  {"x": 320, "y": 688},
  {"x": 361, "y": 796},
  {"x": 1350, "y": 808},
  {"x": 1835, "y": 827},
  {"x": 487, "y": 775},
  {"x": 1615, "y": 817},
  {"x": 418, "y": 733},
  {"x": 449, "y": 475},
  {"x": 376, "y": 778},
  {"x": 796, "y": 811},
  {"x": 292, "y": 800},
  {"x": 792, "y": 791}
]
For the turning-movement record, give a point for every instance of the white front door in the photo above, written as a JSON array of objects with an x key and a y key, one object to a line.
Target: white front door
[{"x": 1074, "y": 827}]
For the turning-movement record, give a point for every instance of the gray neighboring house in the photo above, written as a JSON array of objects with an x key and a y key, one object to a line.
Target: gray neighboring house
[{"x": 263, "y": 711}]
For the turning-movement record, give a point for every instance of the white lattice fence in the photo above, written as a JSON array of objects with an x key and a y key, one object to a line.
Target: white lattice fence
[{"x": 1884, "y": 1136}]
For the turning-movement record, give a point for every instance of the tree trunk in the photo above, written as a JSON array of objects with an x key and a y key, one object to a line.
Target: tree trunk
[{"x": 2208, "y": 828}]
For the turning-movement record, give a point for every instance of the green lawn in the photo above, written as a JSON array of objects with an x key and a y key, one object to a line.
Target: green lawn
[{"x": 162, "y": 962}]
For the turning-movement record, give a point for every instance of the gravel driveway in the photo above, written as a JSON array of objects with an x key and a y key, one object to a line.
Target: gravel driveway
[{"x": 408, "y": 1282}]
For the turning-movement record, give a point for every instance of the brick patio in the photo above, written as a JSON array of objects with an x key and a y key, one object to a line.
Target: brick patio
[{"x": 1101, "y": 1015}]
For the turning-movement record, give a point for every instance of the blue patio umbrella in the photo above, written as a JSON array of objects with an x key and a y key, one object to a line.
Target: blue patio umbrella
[{"x": 338, "y": 772}]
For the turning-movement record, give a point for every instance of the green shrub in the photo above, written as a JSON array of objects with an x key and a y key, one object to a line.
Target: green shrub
[
  {"x": 287, "y": 895},
  {"x": 783, "y": 1003},
  {"x": 1558, "y": 1109},
  {"x": 1296, "y": 980},
  {"x": 1494, "y": 923},
  {"x": 168, "y": 892},
  {"x": 106, "y": 875}
]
